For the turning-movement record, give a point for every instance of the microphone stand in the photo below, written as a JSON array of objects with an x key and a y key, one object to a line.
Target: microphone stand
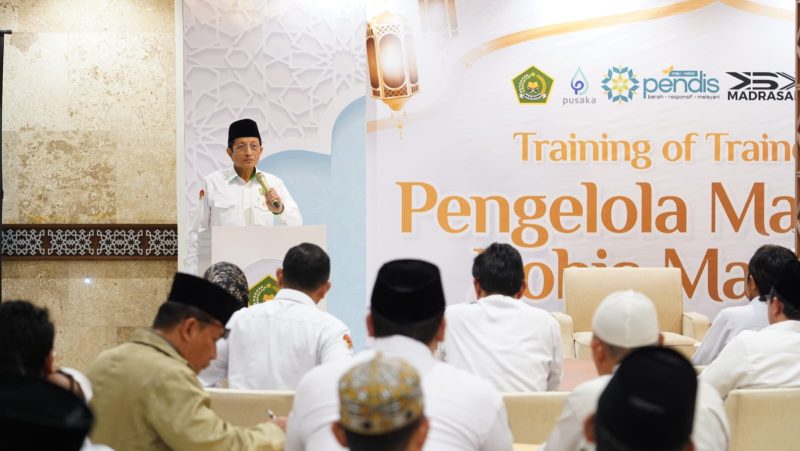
[{"x": 3, "y": 34}]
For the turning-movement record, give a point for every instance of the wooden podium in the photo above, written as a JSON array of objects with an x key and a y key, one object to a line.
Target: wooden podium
[{"x": 243, "y": 245}]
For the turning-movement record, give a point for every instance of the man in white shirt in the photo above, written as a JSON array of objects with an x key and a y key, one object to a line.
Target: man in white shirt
[
  {"x": 241, "y": 195},
  {"x": 407, "y": 320},
  {"x": 768, "y": 358},
  {"x": 649, "y": 404},
  {"x": 623, "y": 322},
  {"x": 272, "y": 345},
  {"x": 499, "y": 337},
  {"x": 761, "y": 272}
]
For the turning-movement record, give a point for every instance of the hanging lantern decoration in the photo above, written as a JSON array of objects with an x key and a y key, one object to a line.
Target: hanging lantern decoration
[
  {"x": 438, "y": 17},
  {"x": 392, "y": 61}
]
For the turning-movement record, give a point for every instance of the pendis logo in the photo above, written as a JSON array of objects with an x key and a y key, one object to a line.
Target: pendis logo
[
  {"x": 533, "y": 86},
  {"x": 620, "y": 84}
]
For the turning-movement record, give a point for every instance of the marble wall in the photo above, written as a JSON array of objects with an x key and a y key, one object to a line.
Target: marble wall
[{"x": 89, "y": 137}]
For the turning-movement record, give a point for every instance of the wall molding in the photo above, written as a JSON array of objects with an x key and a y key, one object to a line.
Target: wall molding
[{"x": 90, "y": 241}]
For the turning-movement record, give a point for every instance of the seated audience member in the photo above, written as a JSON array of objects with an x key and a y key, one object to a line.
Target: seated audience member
[
  {"x": 230, "y": 278},
  {"x": 649, "y": 404},
  {"x": 39, "y": 408},
  {"x": 146, "y": 392},
  {"x": 769, "y": 357},
  {"x": 623, "y": 322},
  {"x": 407, "y": 320},
  {"x": 499, "y": 337},
  {"x": 272, "y": 345},
  {"x": 380, "y": 407},
  {"x": 761, "y": 272}
]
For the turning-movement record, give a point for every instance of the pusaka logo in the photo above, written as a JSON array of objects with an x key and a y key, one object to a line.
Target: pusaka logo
[
  {"x": 620, "y": 84},
  {"x": 533, "y": 86},
  {"x": 681, "y": 85},
  {"x": 579, "y": 85},
  {"x": 762, "y": 86}
]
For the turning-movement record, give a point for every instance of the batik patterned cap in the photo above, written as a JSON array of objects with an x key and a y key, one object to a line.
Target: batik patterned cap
[
  {"x": 229, "y": 277},
  {"x": 379, "y": 396}
]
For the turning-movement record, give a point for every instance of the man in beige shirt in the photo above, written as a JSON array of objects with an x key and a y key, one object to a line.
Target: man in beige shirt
[{"x": 146, "y": 392}]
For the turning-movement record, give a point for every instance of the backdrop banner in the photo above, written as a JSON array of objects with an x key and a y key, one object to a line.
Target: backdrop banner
[{"x": 585, "y": 133}]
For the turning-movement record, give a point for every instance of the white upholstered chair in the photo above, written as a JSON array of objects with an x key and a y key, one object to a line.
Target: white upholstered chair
[
  {"x": 585, "y": 288},
  {"x": 762, "y": 418},
  {"x": 533, "y": 415}
]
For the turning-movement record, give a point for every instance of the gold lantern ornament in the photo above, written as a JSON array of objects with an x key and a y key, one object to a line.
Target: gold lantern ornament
[
  {"x": 392, "y": 61},
  {"x": 438, "y": 17}
]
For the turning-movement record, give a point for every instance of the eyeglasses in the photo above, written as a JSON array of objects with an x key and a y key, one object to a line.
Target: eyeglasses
[
  {"x": 225, "y": 332},
  {"x": 243, "y": 147}
]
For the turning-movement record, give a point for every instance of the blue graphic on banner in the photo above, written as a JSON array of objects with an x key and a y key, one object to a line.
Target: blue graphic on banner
[
  {"x": 620, "y": 84},
  {"x": 579, "y": 83}
]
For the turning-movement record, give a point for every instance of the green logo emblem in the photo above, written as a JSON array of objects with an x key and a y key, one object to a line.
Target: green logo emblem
[
  {"x": 533, "y": 86},
  {"x": 263, "y": 291}
]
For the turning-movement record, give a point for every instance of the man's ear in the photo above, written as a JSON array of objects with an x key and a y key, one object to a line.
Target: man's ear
[
  {"x": 230, "y": 152},
  {"x": 370, "y": 327},
  {"x": 522, "y": 288},
  {"x": 338, "y": 432},
  {"x": 49, "y": 363},
  {"x": 188, "y": 328},
  {"x": 440, "y": 332},
  {"x": 279, "y": 277},
  {"x": 420, "y": 434},
  {"x": 326, "y": 288},
  {"x": 588, "y": 429},
  {"x": 477, "y": 286}
]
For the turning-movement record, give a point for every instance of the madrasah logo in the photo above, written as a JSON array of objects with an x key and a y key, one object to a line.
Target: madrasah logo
[{"x": 761, "y": 86}]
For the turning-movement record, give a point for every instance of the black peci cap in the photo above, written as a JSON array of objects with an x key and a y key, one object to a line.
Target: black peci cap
[
  {"x": 204, "y": 295},
  {"x": 243, "y": 128},
  {"x": 408, "y": 291},
  {"x": 649, "y": 403}
]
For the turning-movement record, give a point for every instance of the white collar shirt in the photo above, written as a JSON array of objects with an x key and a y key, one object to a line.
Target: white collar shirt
[
  {"x": 728, "y": 323},
  {"x": 465, "y": 412},
  {"x": 272, "y": 345},
  {"x": 711, "y": 431},
  {"x": 225, "y": 199},
  {"x": 768, "y": 358},
  {"x": 512, "y": 344}
]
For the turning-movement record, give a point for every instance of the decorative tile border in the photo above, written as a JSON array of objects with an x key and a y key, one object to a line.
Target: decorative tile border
[{"x": 90, "y": 241}]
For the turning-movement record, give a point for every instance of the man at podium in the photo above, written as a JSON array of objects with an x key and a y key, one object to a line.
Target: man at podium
[{"x": 241, "y": 195}]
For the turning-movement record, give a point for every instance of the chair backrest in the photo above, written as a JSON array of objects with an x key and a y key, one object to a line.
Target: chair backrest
[
  {"x": 761, "y": 419},
  {"x": 249, "y": 407},
  {"x": 584, "y": 288},
  {"x": 533, "y": 415}
]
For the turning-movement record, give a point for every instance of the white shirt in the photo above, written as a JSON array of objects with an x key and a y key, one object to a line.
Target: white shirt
[
  {"x": 227, "y": 200},
  {"x": 506, "y": 341},
  {"x": 711, "y": 431},
  {"x": 758, "y": 359},
  {"x": 273, "y": 344},
  {"x": 465, "y": 412},
  {"x": 728, "y": 323}
]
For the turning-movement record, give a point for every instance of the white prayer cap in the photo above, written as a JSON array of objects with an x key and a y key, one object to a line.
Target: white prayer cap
[{"x": 626, "y": 319}]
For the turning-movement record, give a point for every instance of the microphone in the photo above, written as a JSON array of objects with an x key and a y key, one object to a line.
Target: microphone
[{"x": 263, "y": 182}]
